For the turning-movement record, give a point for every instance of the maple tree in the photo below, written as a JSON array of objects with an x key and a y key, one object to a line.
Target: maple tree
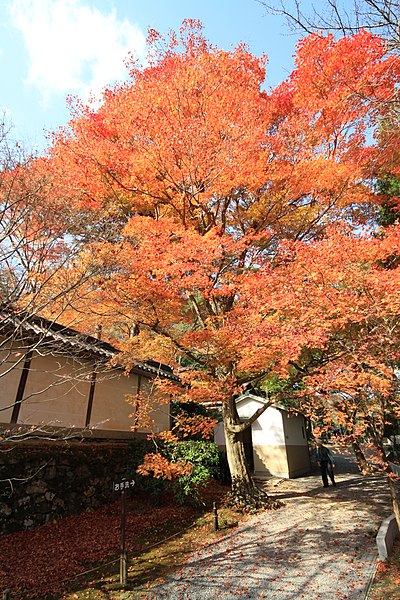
[
  {"x": 380, "y": 17},
  {"x": 40, "y": 233},
  {"x": 203, "y": 174},
  {"x": 345, "y": 287}
]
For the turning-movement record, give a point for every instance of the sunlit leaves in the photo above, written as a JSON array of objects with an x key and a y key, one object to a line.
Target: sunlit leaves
[
  {"x": 223, "y": 255},
  {"x": 161, "y": 468}
]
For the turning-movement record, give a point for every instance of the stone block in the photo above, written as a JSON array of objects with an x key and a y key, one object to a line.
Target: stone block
[{"x": 387, "y": 533}]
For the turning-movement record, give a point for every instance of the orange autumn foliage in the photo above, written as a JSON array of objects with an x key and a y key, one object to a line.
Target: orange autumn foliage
[
  {"x": 189, "y": 133},
  {"x": 161, "y": 468},
  {"x": 345, "y": 289},
  {"x": 220, "y": 198},
  {"x": 195, "y": 426}
]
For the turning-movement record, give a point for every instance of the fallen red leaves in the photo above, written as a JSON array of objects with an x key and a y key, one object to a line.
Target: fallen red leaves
[{"x": 36, "y": 562}]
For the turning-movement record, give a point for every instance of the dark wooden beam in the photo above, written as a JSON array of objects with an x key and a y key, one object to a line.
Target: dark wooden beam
[{"x": 21, "y": 387}]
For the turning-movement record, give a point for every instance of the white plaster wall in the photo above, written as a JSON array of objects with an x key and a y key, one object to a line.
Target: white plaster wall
[
  {"x": 246, "y": 407},
  {"x": 160, "y": 415},
  {"x": 268, "y": 429},
  {"x": 56, "y": 392},
  {"x": 294, "y": 427},
  {"x": 10, "y": 376},
  {"x": 111, "y": 409}
]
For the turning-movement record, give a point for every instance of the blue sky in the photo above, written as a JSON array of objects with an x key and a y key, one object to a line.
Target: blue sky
[{"x": 51, "y": 48}]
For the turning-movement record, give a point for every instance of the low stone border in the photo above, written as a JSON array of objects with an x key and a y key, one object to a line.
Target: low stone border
[{"x": 387, "y": 533}]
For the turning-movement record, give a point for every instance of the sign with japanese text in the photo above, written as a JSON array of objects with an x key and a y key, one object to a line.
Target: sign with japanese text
[{"x": 124, "y": 484}]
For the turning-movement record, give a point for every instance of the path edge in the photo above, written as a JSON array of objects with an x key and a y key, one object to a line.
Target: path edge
[{"x": 387, "y": 533}]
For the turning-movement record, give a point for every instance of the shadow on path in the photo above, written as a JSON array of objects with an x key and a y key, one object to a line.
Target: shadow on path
[{"x": 320, "y": 545}]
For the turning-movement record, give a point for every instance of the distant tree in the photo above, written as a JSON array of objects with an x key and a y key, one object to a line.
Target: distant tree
[
  {"x": 41, "y": 271},
  {"x": 389, "y": 188},
  {"x": 344, "y": 17}
]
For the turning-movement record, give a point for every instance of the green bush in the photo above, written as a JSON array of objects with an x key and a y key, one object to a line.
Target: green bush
[{"x": 205, "y": 460}]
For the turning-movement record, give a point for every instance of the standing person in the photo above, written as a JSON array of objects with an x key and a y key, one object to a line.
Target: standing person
[{"x": 325, "y": 462}]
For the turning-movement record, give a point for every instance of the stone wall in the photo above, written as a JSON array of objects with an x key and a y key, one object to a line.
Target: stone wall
[{"x": 40, "y": 482}]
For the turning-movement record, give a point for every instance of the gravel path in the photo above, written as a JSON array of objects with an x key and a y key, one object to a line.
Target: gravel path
[{"x": 319, "y": 546}]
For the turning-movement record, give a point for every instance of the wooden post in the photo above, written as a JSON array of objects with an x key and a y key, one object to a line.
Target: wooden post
[
  {"x": 215, "y": 516},
  {"x": 123, "y": 561}
]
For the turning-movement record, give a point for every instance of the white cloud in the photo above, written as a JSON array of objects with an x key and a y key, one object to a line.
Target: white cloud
[{"x": 72, "y": 47}]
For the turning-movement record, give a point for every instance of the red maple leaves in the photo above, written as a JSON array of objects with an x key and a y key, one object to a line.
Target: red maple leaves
[{"x": 35, "y": 563}]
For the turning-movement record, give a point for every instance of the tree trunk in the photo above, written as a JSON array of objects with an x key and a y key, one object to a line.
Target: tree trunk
[
  {"x": 238, "y": 467},
  {"x": 361, "y": 460},
  {"x": 245, "y": 495}
]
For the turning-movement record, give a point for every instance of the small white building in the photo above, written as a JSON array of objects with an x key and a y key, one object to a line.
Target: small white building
[{"x": 276, "y": 443}]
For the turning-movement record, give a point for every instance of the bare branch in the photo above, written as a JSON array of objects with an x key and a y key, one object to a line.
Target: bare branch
[{"x": 378, "y": 16}]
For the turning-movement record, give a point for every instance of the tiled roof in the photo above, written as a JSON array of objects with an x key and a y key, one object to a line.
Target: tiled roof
[{"x": 50, "y": 333}]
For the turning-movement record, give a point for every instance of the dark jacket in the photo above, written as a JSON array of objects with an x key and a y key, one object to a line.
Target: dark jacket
[{"x": 324, "y": 454}]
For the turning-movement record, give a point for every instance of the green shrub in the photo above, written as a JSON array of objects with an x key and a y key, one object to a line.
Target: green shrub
[{"x": 205, "y": 460}]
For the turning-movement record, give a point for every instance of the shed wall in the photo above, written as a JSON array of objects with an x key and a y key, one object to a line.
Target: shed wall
[{"x": 279, "y": 441}]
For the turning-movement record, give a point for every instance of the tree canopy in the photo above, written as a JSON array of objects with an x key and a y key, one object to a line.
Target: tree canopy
[{"x": 237, "y": 218}]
